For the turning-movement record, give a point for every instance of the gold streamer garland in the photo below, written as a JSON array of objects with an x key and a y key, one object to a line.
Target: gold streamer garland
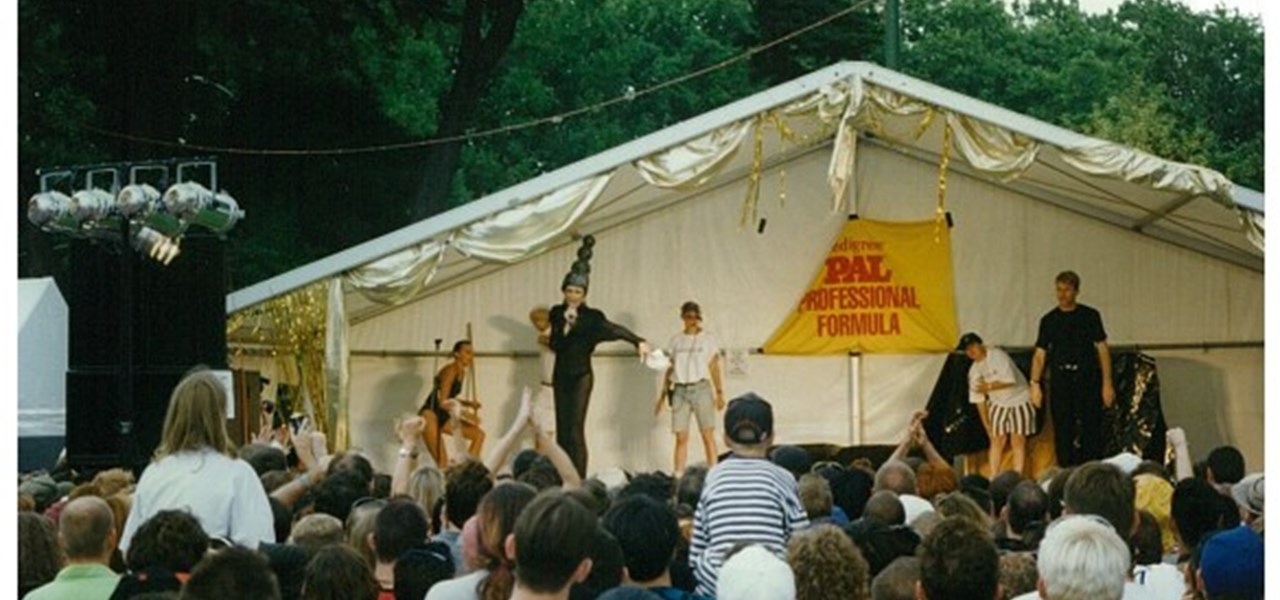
[
  {"x": 295, "y": 332},
  {"x": 788, "y": 136},
  {"x": 940, "y": 213}
]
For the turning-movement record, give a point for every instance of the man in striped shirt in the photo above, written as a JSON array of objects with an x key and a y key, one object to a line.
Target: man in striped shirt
[{"x": 747, "y": 499}]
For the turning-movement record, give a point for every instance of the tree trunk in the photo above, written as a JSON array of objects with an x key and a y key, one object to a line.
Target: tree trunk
[{"x": 478, "y": 58}]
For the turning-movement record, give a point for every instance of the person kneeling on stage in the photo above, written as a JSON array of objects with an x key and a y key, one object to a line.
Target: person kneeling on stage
[
  {"x": 1007, "y": 412},
  {"x": 438, "y": 410}
]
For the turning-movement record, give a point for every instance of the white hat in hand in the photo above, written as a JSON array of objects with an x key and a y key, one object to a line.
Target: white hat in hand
[{"x": 657, "y": 360}]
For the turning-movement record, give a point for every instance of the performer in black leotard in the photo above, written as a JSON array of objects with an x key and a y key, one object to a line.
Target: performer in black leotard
[
  {"x": 575, "y": 331},
  {"x": 436, "y": 411}
]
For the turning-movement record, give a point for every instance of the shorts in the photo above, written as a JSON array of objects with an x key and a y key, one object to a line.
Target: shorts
[
  {"x": 1018, "y": 420},
  {"x": 695, "y": 398}
]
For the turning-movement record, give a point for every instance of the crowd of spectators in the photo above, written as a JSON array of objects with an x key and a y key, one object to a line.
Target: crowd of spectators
[{"x": 285, "y": 519}]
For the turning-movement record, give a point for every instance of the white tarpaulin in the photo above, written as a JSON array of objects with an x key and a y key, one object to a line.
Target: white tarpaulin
[
  {"x": 42, "y": 359},
  {"x": 735, "y": 209}
]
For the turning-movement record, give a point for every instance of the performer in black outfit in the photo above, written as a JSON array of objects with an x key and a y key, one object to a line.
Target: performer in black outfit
[
  {"x": 436, "y": 413},
  {"x": 1073, "y": 344},
  {"x": 575, "y": 331}
]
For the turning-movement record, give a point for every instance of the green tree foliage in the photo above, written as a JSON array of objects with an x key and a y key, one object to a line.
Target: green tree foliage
[{"x": 354, "y": 73}]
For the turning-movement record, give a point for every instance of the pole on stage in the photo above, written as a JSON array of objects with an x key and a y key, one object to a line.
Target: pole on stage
[{"x": 855, "y": 398}]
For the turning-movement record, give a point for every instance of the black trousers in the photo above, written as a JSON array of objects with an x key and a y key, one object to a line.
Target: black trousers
[
  {"x": 1075, "y": 402},
  {"x": 572, "y": 395}
]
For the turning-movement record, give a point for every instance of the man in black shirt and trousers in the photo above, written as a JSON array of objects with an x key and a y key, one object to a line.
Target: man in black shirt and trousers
[{"x": 1073, "y": 345}]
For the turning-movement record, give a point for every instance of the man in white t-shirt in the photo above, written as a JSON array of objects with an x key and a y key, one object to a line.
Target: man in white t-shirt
[
  {"x": 689, "y": 382},
  {"x": 997, "y": 385}
]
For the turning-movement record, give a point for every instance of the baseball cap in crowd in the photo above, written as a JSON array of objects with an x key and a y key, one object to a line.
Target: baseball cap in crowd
[
  {"x": 968, "y": 338},
  {"x": 755, "y": 572},
  {"x": 1250, "y": 493},
  {"x": 748, "y": 419},
  {"x": 1231, "y": 564}
]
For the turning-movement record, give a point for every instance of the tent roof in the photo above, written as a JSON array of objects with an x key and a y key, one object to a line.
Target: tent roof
[{"x": 1210, "y": 220}]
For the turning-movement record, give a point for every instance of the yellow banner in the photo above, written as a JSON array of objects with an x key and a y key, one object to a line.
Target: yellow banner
[{"x": 884, "y": 288}]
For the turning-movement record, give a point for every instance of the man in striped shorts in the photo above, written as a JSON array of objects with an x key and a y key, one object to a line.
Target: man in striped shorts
[
  {"x": 746, "y": 499},
  {"x": 1005, "y": 398}
]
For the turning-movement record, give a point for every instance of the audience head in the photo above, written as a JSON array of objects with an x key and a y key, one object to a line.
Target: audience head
[
  {"x": 338, "y": 492},
  {"x": 1198, "y": 510},
  {"x": 316, "y": 531},
  {"x": 815, "y": 494},
  {"x": 552, "y": 543},
  {"x": 497, "y": 515},
  {"x": 522, "y": 461},
  {"x": 1155, "y": 495},
  {"x": 338, "y": 573},
  {"x": 87, "y": 530},
  {"x": 541, "y": 475},
  {"x": 827, "y": 565},
  {"x": 426, "y": 486},
  {"x": 466, "y": 483},
  {"x": 607, "y": 565},
  {"x": 897, "y": 477},
  {"x": 196, "y": 418},
  {"x": 648, "y": 533},
  {"x": 1097, "y": 488},
  {"x": 882, "y": 544},
  {"x": 933, "y": 480},
  {"x": 1224, "y": 465},
  {"x": 352, "y": 461},
  {"x": 1147, "y": 549},
  {"x": 400, "y": 525},
  {"x": 360, "y": 526},
  {"x": 754, "y": 573},
  {"x": 1001, "y": 486},
  {"x": 1027, "y": 504},
  {"x": 898, "y": 580},
  {"x": 656, "y": 485},
  {"x": 850, "y": 490},
  {"x": 263, "y": 458},
  {"x": 420, "y": 569},
  {"x": 959, "y": 505},
  {"x": 1082, "y": 558},
  {"x": 232, "y": 573},
  {"x": 885, "y": 508},
  {"x": 958, "y": 560},
  {"x": 1057, "y": 486},
  {"x": 172, "y": 539},
  {"x": 748, "y": 423},
  {"x": 792, "y": 458},
  {"x": 1231, "y": 565},
  {"x": 1018, "y": 574},
  {"x": 1250, "y": 495},
  {"x": 689, "y": 488},
  {"x": 274, "y": 480},
  {"x": 39, "y": 555}
]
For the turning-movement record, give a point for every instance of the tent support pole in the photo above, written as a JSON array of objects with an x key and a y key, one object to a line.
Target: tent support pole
[{"x": 855, "y": 398}]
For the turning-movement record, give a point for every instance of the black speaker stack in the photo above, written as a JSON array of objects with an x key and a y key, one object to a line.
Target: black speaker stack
[{"x": 136, "y": 327}]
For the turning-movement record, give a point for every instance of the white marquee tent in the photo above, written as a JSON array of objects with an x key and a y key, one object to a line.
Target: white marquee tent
[{"x": 737, "y": 207}]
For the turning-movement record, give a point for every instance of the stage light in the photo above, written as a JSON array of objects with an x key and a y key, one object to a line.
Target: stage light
[
  {"x": 91, "y": 205},
  {"x": 187, "y": 198},
  {"x": 137, "y": 199},
  {"x": 220, "y": 215},
  {"x": 156, "y": 245},
  {"x": 51, "y": 211}
]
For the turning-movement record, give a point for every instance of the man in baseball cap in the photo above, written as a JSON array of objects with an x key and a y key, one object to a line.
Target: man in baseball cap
[{"x": 746, "y": 497}]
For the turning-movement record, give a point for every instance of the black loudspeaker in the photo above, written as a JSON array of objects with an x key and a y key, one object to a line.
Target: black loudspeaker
[{"x": 136, "y": 328}]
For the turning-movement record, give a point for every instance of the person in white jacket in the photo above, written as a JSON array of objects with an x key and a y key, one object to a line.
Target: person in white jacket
[{"x": 196, "y": 470}]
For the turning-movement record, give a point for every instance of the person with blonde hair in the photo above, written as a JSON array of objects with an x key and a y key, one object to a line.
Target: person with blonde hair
[
  {"x": 828, "y": 565},
  {"x": 195, "y": 469}
]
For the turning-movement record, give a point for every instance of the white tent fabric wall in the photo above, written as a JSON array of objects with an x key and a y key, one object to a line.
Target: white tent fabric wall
[
  {"x": 42, "y": 358},
  {"x": 1006, "y": 251},
  {"x": 1168, "y": 252}
]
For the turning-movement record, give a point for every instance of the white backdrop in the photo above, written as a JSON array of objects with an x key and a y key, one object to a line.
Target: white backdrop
[{"x": 1006, "y": 248}]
